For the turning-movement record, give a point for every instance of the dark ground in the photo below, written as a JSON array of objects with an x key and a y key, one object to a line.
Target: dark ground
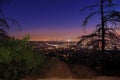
[{"x": 84, "y": 65}]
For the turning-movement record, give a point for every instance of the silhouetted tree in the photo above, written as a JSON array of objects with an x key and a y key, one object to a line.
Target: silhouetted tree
[
  {"x": 94, "y": 39},
  {"x": 109, "y": 18},
  {"x": 4, "y": 25}
]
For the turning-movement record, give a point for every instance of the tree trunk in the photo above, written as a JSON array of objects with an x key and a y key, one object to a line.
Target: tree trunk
[{"x": 102, "y": 25}]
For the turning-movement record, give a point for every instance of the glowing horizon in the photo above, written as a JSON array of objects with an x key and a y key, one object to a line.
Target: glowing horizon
[{"x": 47, "y": 35}]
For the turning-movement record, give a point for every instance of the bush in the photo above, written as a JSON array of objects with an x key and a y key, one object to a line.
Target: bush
[{"x": 17, "y": 60}]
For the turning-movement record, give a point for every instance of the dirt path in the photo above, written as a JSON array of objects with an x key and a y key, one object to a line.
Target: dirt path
[{"x": 61, "y": 71}]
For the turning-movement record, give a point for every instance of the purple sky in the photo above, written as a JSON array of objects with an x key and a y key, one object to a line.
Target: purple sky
[{"x": 47, "y": 19}]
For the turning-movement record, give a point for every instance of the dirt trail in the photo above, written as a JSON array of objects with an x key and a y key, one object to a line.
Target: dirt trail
[{"x": 60, "y": 70}]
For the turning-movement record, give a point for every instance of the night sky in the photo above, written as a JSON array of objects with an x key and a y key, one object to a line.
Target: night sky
[{"x": 48, "y": 19}]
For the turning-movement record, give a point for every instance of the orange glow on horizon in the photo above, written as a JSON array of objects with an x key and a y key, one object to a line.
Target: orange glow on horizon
[{"x": 47, "y": 35}]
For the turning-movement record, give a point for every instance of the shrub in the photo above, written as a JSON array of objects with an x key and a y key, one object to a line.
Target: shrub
[{"x": 17, "y": 60}]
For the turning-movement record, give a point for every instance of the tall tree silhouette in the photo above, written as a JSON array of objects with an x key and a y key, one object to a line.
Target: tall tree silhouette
[
  {"x": 102, "y": 23},
  {"x": 108, "y": 15}
]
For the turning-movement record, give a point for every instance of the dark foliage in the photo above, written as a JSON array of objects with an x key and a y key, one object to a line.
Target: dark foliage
[
  {"x": 112, "y": 38},
  {"x": 105, "y": 32}
]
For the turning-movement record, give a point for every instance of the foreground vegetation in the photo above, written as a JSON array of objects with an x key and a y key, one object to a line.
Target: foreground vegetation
[{"x": 18, "y": 60}]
